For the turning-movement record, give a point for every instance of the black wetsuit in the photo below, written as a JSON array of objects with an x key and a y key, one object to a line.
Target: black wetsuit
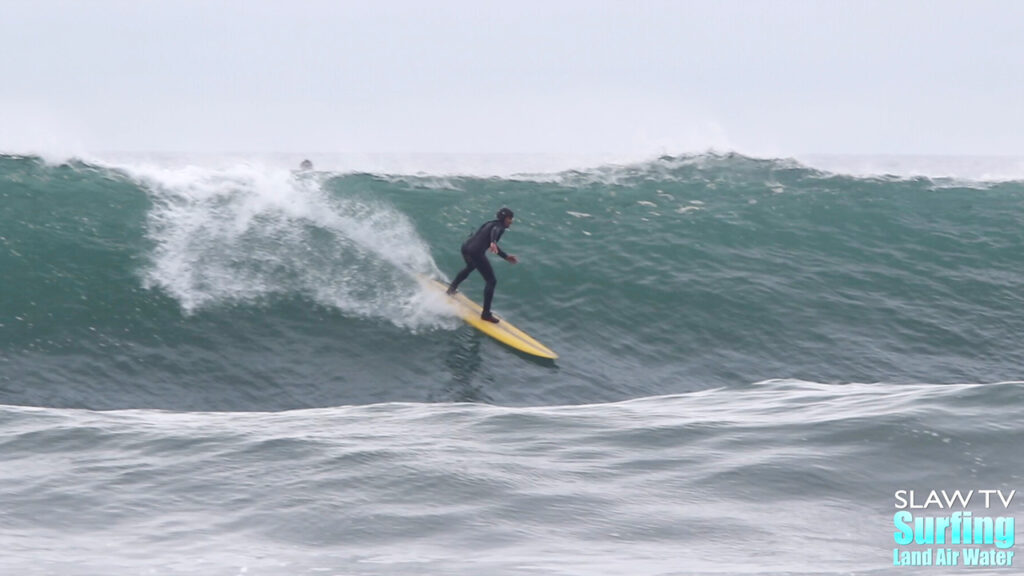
[{"x": 474, "y": 252}]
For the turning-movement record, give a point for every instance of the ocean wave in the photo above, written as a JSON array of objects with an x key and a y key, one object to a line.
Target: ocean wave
[
  {"x": 249, "y": 287},
  {"x": 722, "y": 480}
]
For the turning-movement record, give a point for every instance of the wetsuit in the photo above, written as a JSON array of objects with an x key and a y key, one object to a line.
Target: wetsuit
[{"x": 474, "y": 252}]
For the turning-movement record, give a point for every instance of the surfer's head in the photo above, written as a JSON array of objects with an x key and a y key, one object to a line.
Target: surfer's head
[{"x": 505, "y": 216}]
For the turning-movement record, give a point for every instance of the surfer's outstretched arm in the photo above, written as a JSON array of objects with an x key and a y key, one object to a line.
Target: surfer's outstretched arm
[{"x": 505, "y": 256}]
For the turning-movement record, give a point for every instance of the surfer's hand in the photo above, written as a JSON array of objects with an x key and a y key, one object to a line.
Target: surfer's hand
[
  {"x": 512, "y": 259},
  {"x": 494, "y": 248}
]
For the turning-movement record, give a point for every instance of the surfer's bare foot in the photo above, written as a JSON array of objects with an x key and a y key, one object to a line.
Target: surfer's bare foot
[
  {"x": 451, "y": 291},
  {"x": 489, "y": 318}
]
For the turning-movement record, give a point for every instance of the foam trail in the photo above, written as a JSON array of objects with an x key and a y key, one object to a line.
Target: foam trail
[{"x": 249, "y": 232}]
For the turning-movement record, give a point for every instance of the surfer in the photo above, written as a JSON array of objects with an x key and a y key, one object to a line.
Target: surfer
[{"x": 474, "y": 252}]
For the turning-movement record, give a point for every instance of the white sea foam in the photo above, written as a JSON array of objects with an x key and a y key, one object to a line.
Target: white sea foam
[
  {"x": 570, "y": 169},
  {"x": 246, "y": 232}
]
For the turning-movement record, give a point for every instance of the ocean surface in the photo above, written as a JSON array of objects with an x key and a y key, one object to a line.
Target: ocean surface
[{"x": 229, "y": 367}]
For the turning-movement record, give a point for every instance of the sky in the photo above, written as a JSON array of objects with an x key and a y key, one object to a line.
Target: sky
[{"x": 759, "y": 77}]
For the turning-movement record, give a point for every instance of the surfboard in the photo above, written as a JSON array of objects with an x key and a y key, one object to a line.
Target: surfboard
[{"x": 503, "y": 331}]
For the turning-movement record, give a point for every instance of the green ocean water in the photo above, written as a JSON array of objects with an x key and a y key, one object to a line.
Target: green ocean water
[
  {"x": 233, "y": 369},
  {"x": 255, "y": 288}
]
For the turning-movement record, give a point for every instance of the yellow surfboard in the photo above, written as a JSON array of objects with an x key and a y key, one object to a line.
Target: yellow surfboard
[{"x": 503, "y": 331}]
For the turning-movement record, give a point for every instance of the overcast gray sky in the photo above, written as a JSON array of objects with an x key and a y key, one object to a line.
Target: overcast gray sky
[{"x": 759, "y": 77}]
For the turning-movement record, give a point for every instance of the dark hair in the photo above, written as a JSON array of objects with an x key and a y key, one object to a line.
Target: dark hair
[{"x": 505, "y": 213}]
